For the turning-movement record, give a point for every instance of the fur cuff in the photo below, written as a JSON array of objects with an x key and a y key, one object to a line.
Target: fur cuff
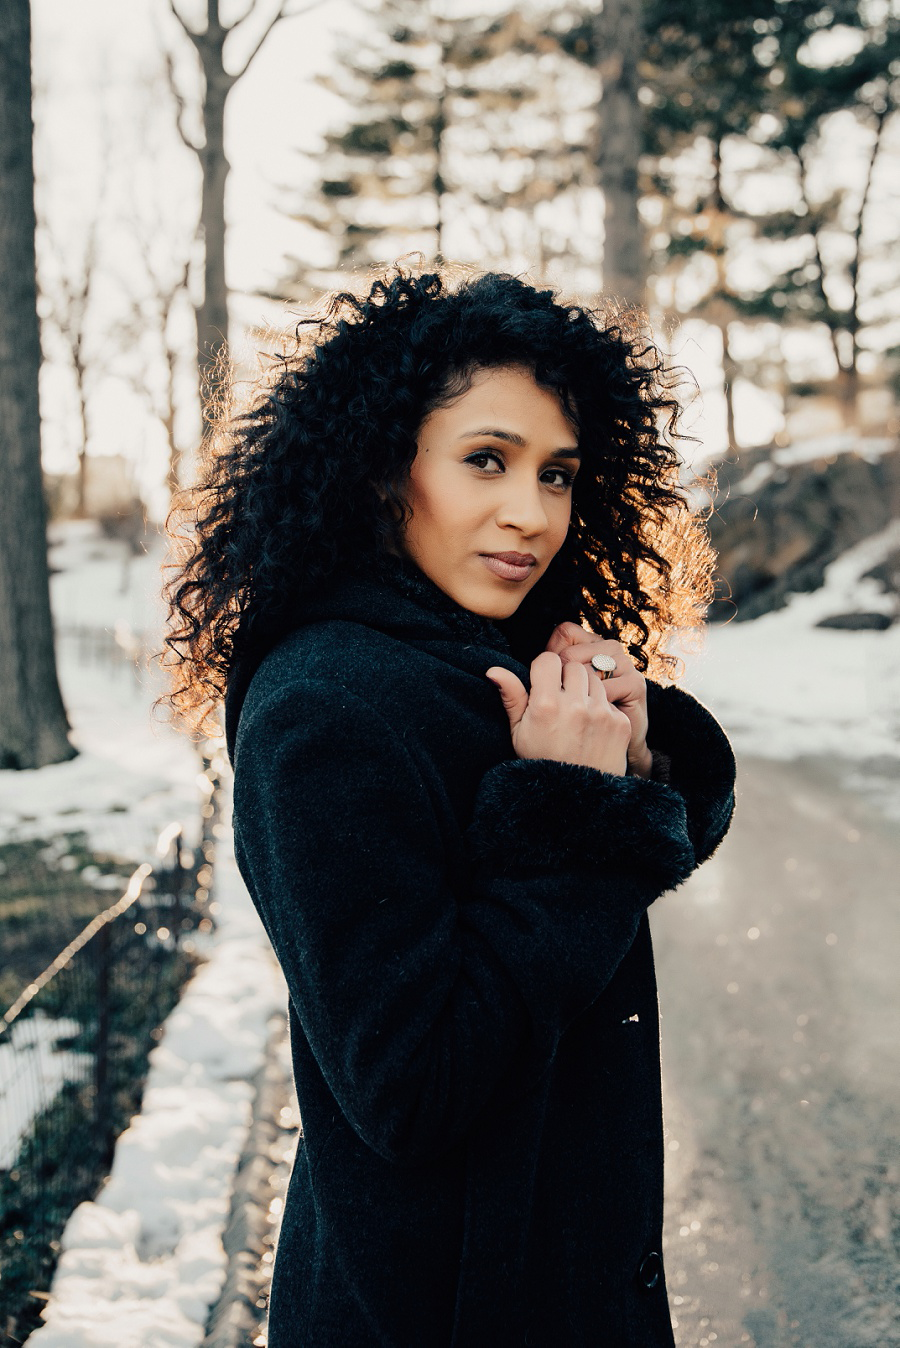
[
  {"x": 702, "y": 767},
  {"x": 540, "y": 813}
]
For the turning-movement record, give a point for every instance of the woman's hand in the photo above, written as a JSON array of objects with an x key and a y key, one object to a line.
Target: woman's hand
[
  {"x": 567, "y": 716},
  {"x": 626, "y": 689}
]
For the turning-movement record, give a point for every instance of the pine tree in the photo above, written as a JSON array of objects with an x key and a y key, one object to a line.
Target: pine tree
[
  {"x": 705, "y": 84},
  {"x": 383, "y": 187},
  {"x": 826, "y": 283},
  {"x": 728, "y": 89},
  {"x": 456, "y": 123},
  {"x": 729, "y": 83}
]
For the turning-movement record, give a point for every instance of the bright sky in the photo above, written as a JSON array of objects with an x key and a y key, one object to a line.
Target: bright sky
[
  {"x": 99, "y": 78},
  {"x": 86, "y": 57}
]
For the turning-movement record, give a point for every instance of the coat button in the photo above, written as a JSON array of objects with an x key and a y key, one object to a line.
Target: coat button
[{"x": 650, "y": 1269}]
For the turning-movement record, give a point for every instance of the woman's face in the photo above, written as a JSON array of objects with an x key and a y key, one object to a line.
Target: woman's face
[{"x": 493, "y": 474}]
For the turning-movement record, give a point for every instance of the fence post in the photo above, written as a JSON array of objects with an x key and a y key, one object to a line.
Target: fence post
[
  {"x": 177, "y": 884},
  {"x": 102, "y": 1085},
  {"x": 208, "y": 809}
]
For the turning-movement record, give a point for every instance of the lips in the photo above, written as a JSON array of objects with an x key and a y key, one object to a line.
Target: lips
[
  {"x": 514, "y": 558},
  {"x": 510, "y": 565}
]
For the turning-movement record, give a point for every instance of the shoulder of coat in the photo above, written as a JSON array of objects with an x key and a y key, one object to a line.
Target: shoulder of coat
[{"x": 333, "y": 650}]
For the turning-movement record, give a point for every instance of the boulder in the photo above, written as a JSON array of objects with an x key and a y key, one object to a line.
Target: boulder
[
  {"x": 778, "y": 524},
  {"x": 858, "y": 622}
]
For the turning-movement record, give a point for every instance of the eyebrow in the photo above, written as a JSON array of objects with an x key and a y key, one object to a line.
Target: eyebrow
[{"x": 515, "y": 439}]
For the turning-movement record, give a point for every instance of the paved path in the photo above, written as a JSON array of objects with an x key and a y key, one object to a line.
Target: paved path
[{"x": 779, "y": 972}]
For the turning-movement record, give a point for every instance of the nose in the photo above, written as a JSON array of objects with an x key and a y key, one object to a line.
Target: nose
[{"x": 521, "y": 506}]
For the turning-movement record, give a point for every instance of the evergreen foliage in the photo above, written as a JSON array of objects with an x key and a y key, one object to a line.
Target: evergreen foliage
[
  {"x": 743, "y": 101},
  {"x": 759, "y": 84},
  {"x": 484, "y": 131},
  {"x": 470, "y": 124}
]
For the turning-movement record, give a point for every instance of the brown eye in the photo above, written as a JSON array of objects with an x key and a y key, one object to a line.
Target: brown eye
[
  {"x": 567, "y": 478},
  {"x": 483, "y": 454}
]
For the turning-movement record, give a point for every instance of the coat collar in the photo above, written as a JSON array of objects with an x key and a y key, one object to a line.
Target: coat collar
[
  {"x": 396, "y": 598},
  {"x": 401, "y": 600}
]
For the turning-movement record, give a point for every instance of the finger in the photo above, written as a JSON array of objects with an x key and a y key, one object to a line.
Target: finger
[
  {"x": 546, "y": 681},
  {"x": 617, "y": 712},
  {"x": 565, "y": 635},
  {"x": 576, "y": 680},
  {"x": 599, "y": 686},
  {"x": 512, "y": 692},
  {"x": 585, "y": 656},
  {"x": 624, "y": 688},
  {"x": 597, "y": 646}
]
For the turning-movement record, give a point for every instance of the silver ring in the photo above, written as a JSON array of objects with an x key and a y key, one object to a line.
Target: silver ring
[{"x": 605, "y": 665}]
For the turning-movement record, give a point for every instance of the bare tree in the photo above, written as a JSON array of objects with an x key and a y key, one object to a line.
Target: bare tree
[
  {"x": 67, "y": 303},
  {"x": 218, "y": 82},
  {"x": 165, "y": 286},
  {"x": 33, "y": 724},
  {"x": 618, "y": 41},
  {"x": 164, "y": 296}
]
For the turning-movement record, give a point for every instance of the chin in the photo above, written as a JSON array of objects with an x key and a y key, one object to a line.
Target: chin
[
  {"x": 495, "y": 606},
  {"x": 486, "y": 600}
]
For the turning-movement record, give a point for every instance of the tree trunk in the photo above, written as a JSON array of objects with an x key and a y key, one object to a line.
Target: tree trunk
[
  {"x": 718, "y": 210},
  {"x": 212, "y": 313},
  {"x": 439, "y": 187},
  {"x": 619, "y": 131},
  {"x": 729, "y": 374},
  {"x": 83, "y": 449},
  {"x": 848, "y": 377},
  {"x": 848, "y": 387},
  {"x": 33, "y": 725},
  {"x": 174, "y": 474}
]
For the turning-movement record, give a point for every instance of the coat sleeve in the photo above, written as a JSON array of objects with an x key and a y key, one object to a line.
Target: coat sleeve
[
  {"x": 423, "y": 1000},
  {"x": 699, "y": 762}
]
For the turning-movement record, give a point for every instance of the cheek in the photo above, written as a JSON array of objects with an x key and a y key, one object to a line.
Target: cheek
[
  {"x": 562, "y": 519},
  {"x": 445, "y": 504},
  {"x": 420, "y": 496},
  {"x": 436, "y": 510}
]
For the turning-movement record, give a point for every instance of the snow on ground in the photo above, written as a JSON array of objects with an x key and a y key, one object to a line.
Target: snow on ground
[
  {"x": 142, "y": 1265},
  {"x": 32, "y": 1071},
  {"x": 133, "y": 774},
  {"x": 783, "y": 687},
  {"x": 806, "y": 451},
  {"x": 130, "y": 780}
]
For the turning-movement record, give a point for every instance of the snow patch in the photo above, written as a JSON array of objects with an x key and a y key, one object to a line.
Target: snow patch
[
  {"x": 32, "y": 1071},
  {"x": 142, "y": 1265},
  {"x": 807, "y": 451},
  {"x": 783, "y": 687},
  {"x": 132, "y": 775}
]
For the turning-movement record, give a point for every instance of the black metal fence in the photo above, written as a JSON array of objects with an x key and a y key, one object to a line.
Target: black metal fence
[
  {"x": 120, "y": 651},
  {"x": 73, "y": 1052}
]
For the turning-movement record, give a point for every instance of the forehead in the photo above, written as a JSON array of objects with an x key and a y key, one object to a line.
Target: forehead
[{"x": 507, "y": 398}]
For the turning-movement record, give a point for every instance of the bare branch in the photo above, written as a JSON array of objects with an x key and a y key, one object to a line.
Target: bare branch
[
  {"x": 190, "y": 32},
  {"x": 881, "y": 119},
  {"x": 281, "y": 13},
  {"x": 180, "y": 104},
  {"x": 246, "y": 15}
]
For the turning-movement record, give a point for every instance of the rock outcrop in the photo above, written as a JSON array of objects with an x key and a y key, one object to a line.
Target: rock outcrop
[{"x": 781, "y": 517}]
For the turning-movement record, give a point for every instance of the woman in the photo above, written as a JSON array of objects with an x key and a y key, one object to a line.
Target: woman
[{"x": 410, "y": 547}]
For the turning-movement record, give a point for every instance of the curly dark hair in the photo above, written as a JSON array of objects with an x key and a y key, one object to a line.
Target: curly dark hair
[{"x": 306, "y": 478}]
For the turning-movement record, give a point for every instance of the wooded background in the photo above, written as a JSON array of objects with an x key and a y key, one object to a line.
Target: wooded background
[{"x": 728, "y": 163}]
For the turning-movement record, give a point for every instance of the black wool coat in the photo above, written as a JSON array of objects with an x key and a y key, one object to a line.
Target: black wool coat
[{"x": 472, "y": 996}]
